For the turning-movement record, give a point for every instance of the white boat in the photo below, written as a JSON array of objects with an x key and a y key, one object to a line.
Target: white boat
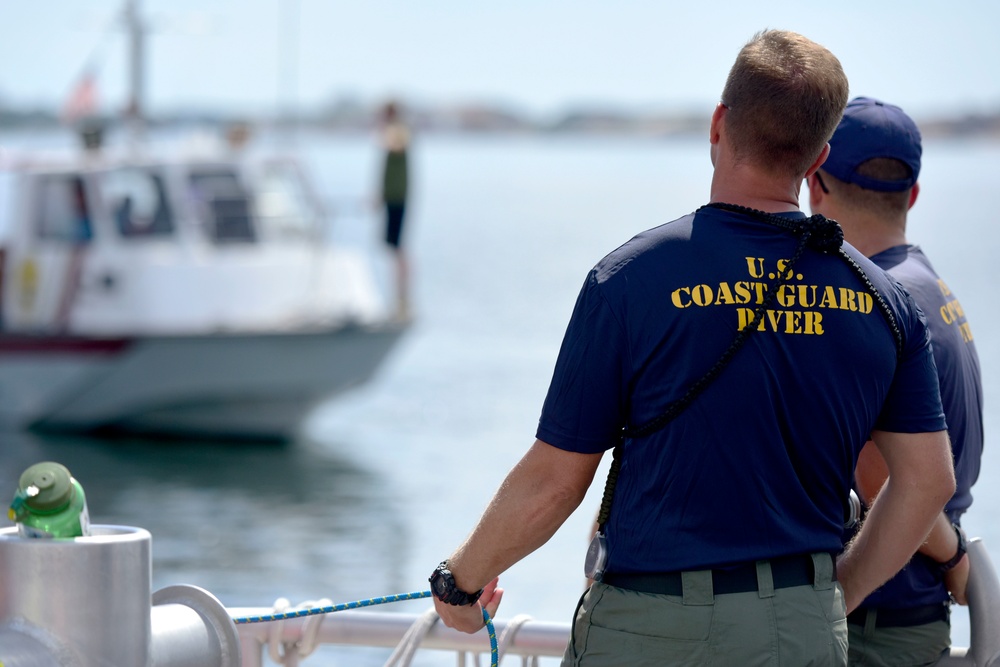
[
  {"x": 184, "y": 290},
  {"x": 185, "y": 293}
]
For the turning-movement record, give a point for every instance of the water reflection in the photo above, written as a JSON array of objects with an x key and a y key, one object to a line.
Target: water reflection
[{"x": 250, "y": 523}]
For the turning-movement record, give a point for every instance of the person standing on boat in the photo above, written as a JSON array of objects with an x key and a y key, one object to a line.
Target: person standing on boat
[
  {"x": 394, "y": 193},
  {"x": 868, "y": 184},
  {"x": 736, "y": 359}
]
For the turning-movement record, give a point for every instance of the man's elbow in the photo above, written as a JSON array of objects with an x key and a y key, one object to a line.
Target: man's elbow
[
  {"x": 920, "y": 461},
  {"x": 939, "y": 478},
  {"x": 945, "y": 485}
]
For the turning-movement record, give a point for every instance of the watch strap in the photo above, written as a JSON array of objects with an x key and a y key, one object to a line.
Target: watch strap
[{"x": 959, "y": 552}]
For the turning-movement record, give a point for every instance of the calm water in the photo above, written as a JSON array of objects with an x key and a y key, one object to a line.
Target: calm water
[{"x": 386, "y": 481}]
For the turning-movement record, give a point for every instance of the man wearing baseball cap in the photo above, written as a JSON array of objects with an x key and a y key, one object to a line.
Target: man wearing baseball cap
[{"x": 868, "y": 184}]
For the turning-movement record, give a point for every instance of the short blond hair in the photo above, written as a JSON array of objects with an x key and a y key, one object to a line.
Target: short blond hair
[{"x": 785, "y": 95}]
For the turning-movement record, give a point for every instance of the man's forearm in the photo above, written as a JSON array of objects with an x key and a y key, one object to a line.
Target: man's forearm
[
  {"x": 921, "y": 481},
  {"x": 537, "y": 496},
  {"x": 942, "y": 541},
  {"x": 893, "y": 530},
  {"x": 870, "y": 475}
]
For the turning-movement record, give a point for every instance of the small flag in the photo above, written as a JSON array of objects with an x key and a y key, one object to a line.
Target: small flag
[{"x": 82, "y": 102}]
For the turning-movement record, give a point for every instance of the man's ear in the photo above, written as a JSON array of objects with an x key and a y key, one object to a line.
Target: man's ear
[
  {"x": 823, "y": 155},
  {"x": 816, "y": 193},
  {"x": 914, "y": 191},
  {"x": 715, "y": 128}
]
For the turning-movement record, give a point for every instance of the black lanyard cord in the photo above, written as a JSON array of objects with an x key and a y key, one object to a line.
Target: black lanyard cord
[{"x": 817, "y": 232}]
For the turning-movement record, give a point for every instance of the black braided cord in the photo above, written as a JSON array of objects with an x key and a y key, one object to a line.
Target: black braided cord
[{"x": 816, "y": 232}]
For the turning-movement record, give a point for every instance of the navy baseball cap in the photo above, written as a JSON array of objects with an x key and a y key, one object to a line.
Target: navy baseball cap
[{"x": 869, "y": 129}]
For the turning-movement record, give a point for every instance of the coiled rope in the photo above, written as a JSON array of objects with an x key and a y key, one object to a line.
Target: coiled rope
[{"x": 357, "y": 604}]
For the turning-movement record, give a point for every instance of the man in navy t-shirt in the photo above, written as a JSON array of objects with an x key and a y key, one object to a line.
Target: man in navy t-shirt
[
  {"x": 736, "y": 360},
  {"x": 868, "y": 184}
]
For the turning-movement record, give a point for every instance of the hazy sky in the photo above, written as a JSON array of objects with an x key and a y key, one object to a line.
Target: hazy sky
[{"x": 537, "y": 56}]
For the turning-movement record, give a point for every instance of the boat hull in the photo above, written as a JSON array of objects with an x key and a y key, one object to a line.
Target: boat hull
[{"x": 243, "y": 386}]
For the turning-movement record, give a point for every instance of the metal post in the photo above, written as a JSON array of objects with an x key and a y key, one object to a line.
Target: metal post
[
  {"x": 86, "y": 602},
  {"x": 87, "y": 598}
]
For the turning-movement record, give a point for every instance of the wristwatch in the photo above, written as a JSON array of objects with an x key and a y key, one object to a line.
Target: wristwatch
[
  {"x": 959, "y": 553},
  {"x": 444, "y": 588}
]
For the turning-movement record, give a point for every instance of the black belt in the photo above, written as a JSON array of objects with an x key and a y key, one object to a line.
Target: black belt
[
  {"x": 900, "y": 618},
  {"x": 786, "y": 572}
]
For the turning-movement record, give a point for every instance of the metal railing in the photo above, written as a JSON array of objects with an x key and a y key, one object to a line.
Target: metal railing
[
  {"x": 55, "y": 602},
  {"x": 527, "y": 639},
  {"x": 533, "y": 639}
]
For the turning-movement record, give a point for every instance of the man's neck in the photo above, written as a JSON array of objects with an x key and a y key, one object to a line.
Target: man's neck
[
  {"x": 871, "y": 244},
  {"x": 870, "y": 234},
  {"x": 745, "y": 186}
]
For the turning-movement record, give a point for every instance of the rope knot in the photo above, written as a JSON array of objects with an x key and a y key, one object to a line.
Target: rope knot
[{"x": 823, "y": 234}]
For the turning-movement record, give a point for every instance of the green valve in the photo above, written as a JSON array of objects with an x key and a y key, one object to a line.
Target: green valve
[{"x": 49, "y": 502}]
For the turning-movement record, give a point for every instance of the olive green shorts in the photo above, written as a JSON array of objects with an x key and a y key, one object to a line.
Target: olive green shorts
[{"x": 800, "y": 625}]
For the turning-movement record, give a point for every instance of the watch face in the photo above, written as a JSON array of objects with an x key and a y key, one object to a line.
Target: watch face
[{"x": 442, "y": 583}]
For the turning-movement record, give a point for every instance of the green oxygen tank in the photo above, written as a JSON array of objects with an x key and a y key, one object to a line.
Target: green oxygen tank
[{"x": 50, "y": 503}]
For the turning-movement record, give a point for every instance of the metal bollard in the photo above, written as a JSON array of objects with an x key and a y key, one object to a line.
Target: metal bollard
[
  {"x": 21, "y": 647},
  {"x": 86, "y": 602},
  {"x": 86, "y": 597}
]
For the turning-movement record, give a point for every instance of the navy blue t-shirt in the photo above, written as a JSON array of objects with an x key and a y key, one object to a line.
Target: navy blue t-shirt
[
  {"x": 761, "y": 463},
  {"x": 920, "y": 582}
]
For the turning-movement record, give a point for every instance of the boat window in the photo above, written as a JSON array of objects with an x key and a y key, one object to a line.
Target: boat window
[
  {"x": 63, "y": 210},
  {"x": 283, "y": 202},
  {"x": 222, "y": 204},
  {"x": 138, "y": 203}
]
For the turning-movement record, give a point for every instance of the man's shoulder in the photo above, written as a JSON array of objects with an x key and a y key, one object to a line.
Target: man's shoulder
[
  {"x": 914, "y": 265},
  {"x": 874, "y": 267},
  {"x": 648, "y": 245},
  {"x": 890, "y": 258},
  {"x": 909, "y": 266},
  {"x": 894, "y": 292}
]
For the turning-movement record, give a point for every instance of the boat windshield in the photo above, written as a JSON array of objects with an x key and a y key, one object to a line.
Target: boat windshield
[
  {"x": 138, "y": 203},
  {"x": 64, "y": 212},
  {"x": 284, "y": 205},
  {"x": 222, "y": 204}
]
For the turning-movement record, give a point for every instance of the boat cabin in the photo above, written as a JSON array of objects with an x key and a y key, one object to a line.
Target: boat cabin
[{"x": 102, "y": 245}]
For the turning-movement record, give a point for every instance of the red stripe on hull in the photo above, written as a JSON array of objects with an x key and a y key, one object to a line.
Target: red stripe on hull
[{"x": 43, "y": 345}]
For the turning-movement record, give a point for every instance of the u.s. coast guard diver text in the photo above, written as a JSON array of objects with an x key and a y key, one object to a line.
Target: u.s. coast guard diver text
[
  {"x": 952, "y": 313},
  {"x": 800, "y": 303}
]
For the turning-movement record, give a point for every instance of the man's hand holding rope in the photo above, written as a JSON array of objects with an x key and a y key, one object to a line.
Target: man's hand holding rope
[{"x": 469, "y": 618}]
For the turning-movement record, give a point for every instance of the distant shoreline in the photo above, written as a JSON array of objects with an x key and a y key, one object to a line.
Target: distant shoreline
[{"x": 472, "y": 119}]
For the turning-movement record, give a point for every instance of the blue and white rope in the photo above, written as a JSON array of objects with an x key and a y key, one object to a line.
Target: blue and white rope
[
  {"x": 312, "y": 611},
  {"x": 357, "y": 604}
]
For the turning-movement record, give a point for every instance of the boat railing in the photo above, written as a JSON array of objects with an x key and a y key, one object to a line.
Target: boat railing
[
  {"x": 55, "y": 602},
  {"x": 984, "y": 613},
  {"x": 289, "y": 641}
]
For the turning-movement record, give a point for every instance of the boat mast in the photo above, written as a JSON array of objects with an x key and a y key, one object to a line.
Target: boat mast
[
  {"x": 135, "y": 109},
  {"x": 288, "y": 44}
]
